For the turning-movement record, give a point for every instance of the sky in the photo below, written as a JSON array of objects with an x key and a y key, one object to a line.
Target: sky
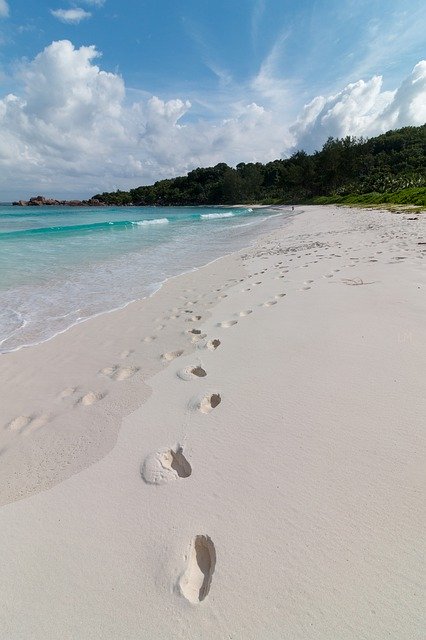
[{"x": 97, "y": 95}]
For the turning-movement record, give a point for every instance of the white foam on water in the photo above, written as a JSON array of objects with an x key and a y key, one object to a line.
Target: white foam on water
[
  {"x": 143, "y": 223},
  {"x": 212, "y": 216}
]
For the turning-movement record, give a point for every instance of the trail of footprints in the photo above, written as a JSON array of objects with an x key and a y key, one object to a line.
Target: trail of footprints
[{"x": 170, "y": 464}]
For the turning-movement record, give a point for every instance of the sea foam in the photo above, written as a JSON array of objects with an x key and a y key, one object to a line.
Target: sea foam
[
  {"x": 143, "y": 223},
  {"x": 212, "y": 216}
]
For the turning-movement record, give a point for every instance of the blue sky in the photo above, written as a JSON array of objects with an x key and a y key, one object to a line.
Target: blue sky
[{"x": 224, "y": 80}]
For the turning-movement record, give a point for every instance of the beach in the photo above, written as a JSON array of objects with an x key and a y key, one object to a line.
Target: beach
[{"x": 238, "y": 455}]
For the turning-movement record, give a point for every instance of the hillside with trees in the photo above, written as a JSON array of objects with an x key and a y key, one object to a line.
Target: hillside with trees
[{"x": 388, "y": 168}]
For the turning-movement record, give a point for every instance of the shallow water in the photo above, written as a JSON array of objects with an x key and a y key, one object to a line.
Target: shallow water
[{"x": 59, "y": 266}]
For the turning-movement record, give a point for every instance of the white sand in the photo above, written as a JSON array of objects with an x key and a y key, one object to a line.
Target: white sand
[{"x": 266, "y": 487}]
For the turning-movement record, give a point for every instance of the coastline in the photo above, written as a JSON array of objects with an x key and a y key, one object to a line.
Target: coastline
[
  {"x": 318, "y": 374},
  {"x": 40, "y": 326}
]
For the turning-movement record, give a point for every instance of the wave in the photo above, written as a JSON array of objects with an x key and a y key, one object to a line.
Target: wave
[
  {"x": 79, "y": 228},
  {"x": 142, "y": 223},
  {"x": 212, "y": 216}
]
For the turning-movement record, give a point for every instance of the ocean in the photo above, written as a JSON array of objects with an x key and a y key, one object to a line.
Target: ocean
[{"x": 61, "y": 266}]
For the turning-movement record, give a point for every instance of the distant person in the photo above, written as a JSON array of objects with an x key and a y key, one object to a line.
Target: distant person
[{"x": 292, "y": 208}]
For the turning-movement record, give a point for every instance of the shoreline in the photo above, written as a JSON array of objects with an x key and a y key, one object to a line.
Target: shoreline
[
  {"x": 155, "y": 286},
  {"x": 311, "y": 404}
]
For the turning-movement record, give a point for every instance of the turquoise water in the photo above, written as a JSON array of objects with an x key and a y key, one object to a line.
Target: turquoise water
[{"x": 59, "y": 266}]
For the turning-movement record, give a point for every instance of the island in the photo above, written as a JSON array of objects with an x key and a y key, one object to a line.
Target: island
[{"x": 41, "y": 201}]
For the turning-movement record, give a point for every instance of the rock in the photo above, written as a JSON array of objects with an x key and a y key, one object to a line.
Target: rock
[{"x": 41, "y": 201}]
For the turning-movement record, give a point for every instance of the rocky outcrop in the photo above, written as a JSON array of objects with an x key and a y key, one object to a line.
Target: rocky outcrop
[{"x": 41, "y": 201}]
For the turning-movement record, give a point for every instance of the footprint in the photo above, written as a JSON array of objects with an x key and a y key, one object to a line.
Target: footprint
[
  {"x": 227, "y": 323},
  {"x": 36, "y": 423},
  {"x": 193, "y": 319},
  {"x": 212, "y": 345},
  {"x": 199, "y": 337},
  {"x": 165, "y": 466},
  {"x": 247, "y": 312},
  {"x": 149, "y": 339},
  {"x": 189, "y": 373},
  {"x": 196, "y": 332},
  {"x": 305, "y": 287},
  {"x": 91, "y": 397},
  {"x": 69, "y": 391},
  {"x": 126, "y": 354},
  {"x": 208, "y": 403},
  {"x": 196, "y": 581},
  {"x": 270, "y": 303},
  {"x": 280, "y": 295},
  {"x": 171, "y": 355},
  {"x": 19, "y": 423},
  {"x": 119, "y": 373}
]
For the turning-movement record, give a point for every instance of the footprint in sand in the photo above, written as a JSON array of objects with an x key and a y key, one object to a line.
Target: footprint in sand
[
  {"x": 195, "y": 332},
  {"x": 119, "y": 373},
  {"x": 19, "y": 423},
  {"x": 227, "y": 323},
  {"x": 245, "y": 313},
  {"x": 195, "y": 582},
  {"x": 211, "y": 345},
  {"x": 270, "y": 303},
  {"x": 66, "y": 393},
  {"x": 207, "y": 403},
  {"x": 171, "y": 355},
  {"x": 165, "y": 466},
  {"x": 91, "y": 398},
  {"x": 195, "y": 339},
  {"x": 126, "y": 353},
  {"x": 280, "y": 295},
  {"x": 149, "y": 339},
  {"x": 27, "y": 424},
  {"x": 193, "y": 319},
  {"x": 191, "y": 373}
]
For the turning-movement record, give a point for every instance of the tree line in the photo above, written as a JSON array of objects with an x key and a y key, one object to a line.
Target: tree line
[{"x": 345, "y": 167}]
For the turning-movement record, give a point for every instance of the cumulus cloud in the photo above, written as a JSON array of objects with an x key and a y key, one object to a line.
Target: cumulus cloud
[
  {"x": 72, "y": 129},
  {"x": 4, "y": 9},
  {"x": 362, "y": 109},
  {"x": 70, "y": 16}
]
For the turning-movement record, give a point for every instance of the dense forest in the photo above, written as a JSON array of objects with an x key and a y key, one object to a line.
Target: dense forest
[{"x": 388, "y": 168}]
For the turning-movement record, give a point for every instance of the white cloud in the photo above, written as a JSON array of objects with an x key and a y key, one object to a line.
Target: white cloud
[
  {"x": 94, "y": 3},
  {"x": 70, "y": 16},
  {"x": 71, "y": 128},
  {"x": 4, "y": 9},
  {"x": 362, "y": 109}
]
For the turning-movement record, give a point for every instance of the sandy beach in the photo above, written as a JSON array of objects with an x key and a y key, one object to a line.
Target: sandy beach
[{"x": 238, "y": 456}]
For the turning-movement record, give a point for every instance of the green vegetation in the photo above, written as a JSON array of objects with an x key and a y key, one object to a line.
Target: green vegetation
[{"x": 389, "y": 168}]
